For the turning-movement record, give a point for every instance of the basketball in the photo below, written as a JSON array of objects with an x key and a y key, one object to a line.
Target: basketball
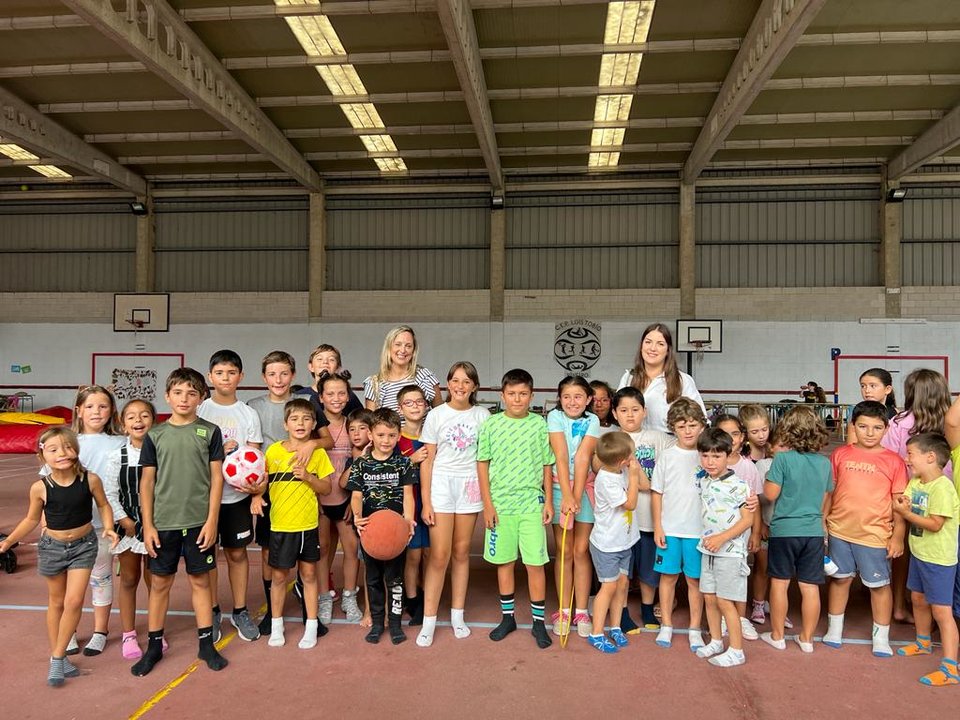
[
  {"x": 243, "y": 467},
  {"x": 385, "y": 535}
]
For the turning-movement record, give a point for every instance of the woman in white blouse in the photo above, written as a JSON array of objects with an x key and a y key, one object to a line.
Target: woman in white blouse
[{"x": 656, "y": 375}]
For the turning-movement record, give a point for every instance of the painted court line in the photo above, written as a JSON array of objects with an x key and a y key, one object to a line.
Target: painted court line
[{"x": 443, "y": 623}]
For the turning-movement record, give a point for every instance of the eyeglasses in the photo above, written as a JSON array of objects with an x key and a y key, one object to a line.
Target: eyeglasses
[{"x": 413, "y": 403}]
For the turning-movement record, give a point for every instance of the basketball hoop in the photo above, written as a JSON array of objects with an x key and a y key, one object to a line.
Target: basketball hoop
[
  {"x": 137, "y": 325},
  {"x": 699, "y": 347}
]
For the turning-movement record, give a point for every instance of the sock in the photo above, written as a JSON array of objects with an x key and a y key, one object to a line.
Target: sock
[
  {"x": 538, "y": 609},
  {"x": 425, "y": 638},
  {"x": 834, "y": 634},
  {"x": 96, "y": 644},
  {"x": 216, "y": 609},
  {"x": 507, "y": 623},
  {"x": 696, "y": 638},
  {"x": 580, "y": 611},
  {"x": 309, "y": 639},
  {"x": 152, "y": 656},
  {"x": 208, "y": 653},
  {"x": 276, "y": 633},
  {"x": 881, "y": 641},
  {"x": 626, "y": 622},
  {"x": 920, "y": 647},
  {"x": 665, "y": 636},
  {"x": 238, "y": 610},
  {"x": 373, "y": 636},
  {"x": 55, "y": 674},
  {"x": 647, "y": 617},
  {"x": 946, "y": 674},
  {"x": 460, "y": 629},
  {"x": 69, "y": 669}
]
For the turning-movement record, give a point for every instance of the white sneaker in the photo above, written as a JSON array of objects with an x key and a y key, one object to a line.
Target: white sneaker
[
  {"x": 731, "y": 658},
  {"x": 747, "y": 629},
  {"x": 780, "y": 644},
  {"x": 714, "y": 647},
  {"x": 807, "y": 647},
  {"x": 325, "y": 608}
]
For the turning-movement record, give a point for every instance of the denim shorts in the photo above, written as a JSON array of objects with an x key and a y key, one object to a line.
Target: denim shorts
[
  {"x": 611, "y": 565},
  {"x": 55, "y": 556}
]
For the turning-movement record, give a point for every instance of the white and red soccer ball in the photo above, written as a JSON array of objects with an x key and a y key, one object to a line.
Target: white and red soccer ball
[{"x": 244, "y": 467}]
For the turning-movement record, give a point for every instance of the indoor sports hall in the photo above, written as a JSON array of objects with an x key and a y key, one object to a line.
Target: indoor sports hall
[{"x": 513, "y": 183}]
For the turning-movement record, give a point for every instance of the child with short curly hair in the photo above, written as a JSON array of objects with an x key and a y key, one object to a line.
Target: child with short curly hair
[{"x": 800, "y": 481}]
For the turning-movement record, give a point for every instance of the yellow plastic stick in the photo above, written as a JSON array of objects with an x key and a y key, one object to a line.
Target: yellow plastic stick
[{"x": 564, "y": 627}]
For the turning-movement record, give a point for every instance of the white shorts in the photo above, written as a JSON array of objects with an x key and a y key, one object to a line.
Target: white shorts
[{"x": 457, "y": 494}]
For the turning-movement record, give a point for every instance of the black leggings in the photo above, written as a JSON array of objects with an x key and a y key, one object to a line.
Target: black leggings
[{"x": 383, "y": 576}]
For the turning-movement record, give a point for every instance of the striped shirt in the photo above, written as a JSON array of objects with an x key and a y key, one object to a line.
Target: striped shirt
[{"x": 384, "y": 392}]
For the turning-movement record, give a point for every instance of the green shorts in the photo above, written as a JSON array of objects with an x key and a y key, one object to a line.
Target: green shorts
[{"x": 523, "y": 533}]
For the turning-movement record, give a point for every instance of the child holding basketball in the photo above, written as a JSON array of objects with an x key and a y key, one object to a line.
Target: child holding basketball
[
  {"x": 413, "y": 410},
  {"x": 514, "y": 462},
  {"x": 359, "y": 423},
  {"x": 240, "y": 426},
  {"x": 383, "y": 480},
  {"x": 613, "y": 536},
  {"x": 930, "y": 506},
  {"x": 295, "y": 518},
  {"x": 67, "y": 550},
  {"x": 180, "y": 489}
]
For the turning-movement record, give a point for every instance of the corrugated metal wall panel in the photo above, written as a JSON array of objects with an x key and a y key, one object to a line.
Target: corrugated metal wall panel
[
  {"x": 69, "y": 247},
  {"x": 408, "y": 243},
  {"x": 930, "y": 252},
  {"x": 796, "y": 237},
  {"x": 259, "y": 247},
  {"x": 624, "y": 240}
]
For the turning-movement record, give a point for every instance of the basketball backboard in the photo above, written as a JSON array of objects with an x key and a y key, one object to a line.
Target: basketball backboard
[
  {"x": 705, "y": 336},
  {"x": 141, "y": 312}
]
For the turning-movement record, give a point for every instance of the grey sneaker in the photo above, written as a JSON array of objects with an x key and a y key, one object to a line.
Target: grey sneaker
[
  {"x": 246, "y": 629},
  {"x": 348, "y": 603},
  {"x": 217, "y": 619},
  {"x": 325, "y": 608}
]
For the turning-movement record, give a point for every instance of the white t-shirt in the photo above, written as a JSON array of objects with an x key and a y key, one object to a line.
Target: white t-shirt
[
  {"x": 677, "y": 478},
  {"x": 722, "y": 499},
  {"x": 655, "y": 399},
  {"x": 650, "y": 445},
  {"x": 95, "y": 451},
  {"x": 454, "y": 432},
  {"x": 238, "y": 422},
  {"x": 614, "y": 527}
]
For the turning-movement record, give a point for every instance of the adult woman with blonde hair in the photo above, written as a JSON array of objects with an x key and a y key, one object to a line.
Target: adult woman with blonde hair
[
  {"x": 398, "y": 367},
  {"x": 656, "y": 375}
]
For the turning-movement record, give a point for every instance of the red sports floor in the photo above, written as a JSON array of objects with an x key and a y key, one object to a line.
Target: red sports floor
[{"x": 344, "y": 676}]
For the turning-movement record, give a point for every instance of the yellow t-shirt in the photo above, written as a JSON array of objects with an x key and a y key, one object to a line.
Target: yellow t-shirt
[
  {"x": 293, "y": 503},
  {"x": 937, "y": 497}
]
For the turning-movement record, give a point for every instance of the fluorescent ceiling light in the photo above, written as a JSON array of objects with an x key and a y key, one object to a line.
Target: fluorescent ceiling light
[
  {"x": 15, "y": 152},
  {"x": 318, "y": 38},
  {"x": 627, "y": 23},
  {"x": 50, "y": 171}
]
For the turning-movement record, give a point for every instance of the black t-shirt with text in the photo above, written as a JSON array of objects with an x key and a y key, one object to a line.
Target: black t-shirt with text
[{"x": 381, "y": 482}]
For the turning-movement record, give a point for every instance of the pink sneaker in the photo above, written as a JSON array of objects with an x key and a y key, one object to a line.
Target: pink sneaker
[
  {"x": 584, "y": 624},
  {"x": 129, "y": 647},
  {"x": 560, "y": 627},
  {"x": 758, "y": 615}
]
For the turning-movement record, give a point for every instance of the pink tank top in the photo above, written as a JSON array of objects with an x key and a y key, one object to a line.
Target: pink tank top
[{"x": 339, "y": 454}]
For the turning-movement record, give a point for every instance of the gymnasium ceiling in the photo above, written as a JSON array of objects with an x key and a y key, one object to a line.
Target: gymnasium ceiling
[{"x": 410, "y": 88}]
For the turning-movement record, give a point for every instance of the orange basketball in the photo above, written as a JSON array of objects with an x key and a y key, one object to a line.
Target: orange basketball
[{"x": 385, "y": 535}]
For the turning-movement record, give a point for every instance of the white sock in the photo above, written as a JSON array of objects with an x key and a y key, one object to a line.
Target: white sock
[
  {"x": 730, "y": 658},
  {"x": 696, "y": 638},
  {"x": 881, "y": 641},
  {"x": 309, "y": 638},
  {"x": 665, "y": 636},
  {"x": 460, "y": 629},
  {"x": 580, "y": 611},
  {"x": 276, "y": 633},
  {"x": 425, "y": 637},
  {"x": 834, "y": 633},
  {"x": 710, "y": 649}
]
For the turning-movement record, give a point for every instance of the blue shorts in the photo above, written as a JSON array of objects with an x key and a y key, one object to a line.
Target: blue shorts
[
  {"x": 644, "y": 558},
  {"x": 421, "y": 533},
  {"x": 934, "y": 581},
  {"x": 681, "y": 554},
  {"x": 796, "y": 557},
  {"x": 586, "y": 509},
  {"x": 852, "y": 558},
  {"x": 956, "y": 594},
  {"x": 610, "y": 565}
]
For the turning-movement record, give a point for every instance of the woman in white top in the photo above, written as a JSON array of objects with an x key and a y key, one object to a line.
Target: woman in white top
[
  {"x": 656, "y": 375},
  {"x": 398, "y": 367}
]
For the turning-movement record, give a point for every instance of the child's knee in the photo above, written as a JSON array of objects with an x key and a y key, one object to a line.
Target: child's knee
[
  {"x": 101, "y": 588},
  {"x": 236, "y": 555},
  {"x": 308, "y": 572}
]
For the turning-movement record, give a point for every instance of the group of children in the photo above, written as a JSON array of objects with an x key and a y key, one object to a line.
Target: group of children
[{"x": 626, "y": 505}]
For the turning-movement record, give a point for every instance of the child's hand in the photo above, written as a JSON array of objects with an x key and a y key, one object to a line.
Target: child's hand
[
  {"x": 299, "y": 471},
  {"x": 303, "y": 455},
  {"x": 257, "y": 504},
  {"x": 111, "y": 533},
  {"x": 713, "y": 543},
  {"x": 901, "y": 505},
  {"x": 151, "y": 540},
  {"x": 753, "y": 502},
  {"x": 547, "y": 513},
  {"x": 419, "y": 456},
  {"x": 129, "y": 527},
  {"x": 490, "y": 518},
  {"x": 660, "y": 538},
  {"x": 360, "y": 523},
  {"x": 207, "y": 537},
  {"x": 413, "y": 527},
  {"x": 230, "y": 446},
  {"x": 753, "y": 545},
  {"x": 256, "y": 488},
  {"x": 764, "y": 531},
  {"x": 426, "y": 514},
  {"x": 894, "y": 548},
  {"x": 568, "y": 506}
]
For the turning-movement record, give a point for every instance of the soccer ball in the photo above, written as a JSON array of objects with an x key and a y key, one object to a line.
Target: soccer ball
[{"x": 243, "y": 467}]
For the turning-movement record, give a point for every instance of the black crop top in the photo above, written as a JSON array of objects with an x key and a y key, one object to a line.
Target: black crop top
[{"x": 68, "y": 507}]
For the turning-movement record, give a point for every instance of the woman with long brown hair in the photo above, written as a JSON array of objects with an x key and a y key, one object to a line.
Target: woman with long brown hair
[{"x": 656, "y": 375}]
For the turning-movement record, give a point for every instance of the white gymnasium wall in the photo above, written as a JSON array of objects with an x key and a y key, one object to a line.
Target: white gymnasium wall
[{"x": 777, "y": 356}]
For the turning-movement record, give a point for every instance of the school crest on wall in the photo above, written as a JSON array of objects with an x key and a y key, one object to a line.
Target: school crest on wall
[{"x": 576, "y": 345}]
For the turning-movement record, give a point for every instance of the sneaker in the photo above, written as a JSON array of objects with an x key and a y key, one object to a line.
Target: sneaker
[
  {"x": 584, "y": 624},
  {"x": 217, "y": 619},
  {"x": 246, "y": 629},
  {"x": 130, "y": 648},
  {"x": 619, "y": 639},
  {"x": 561, "y": 627},
  {"x": 602, "y": 643},
  {"x": 757, "y": 615},
  {"x": 787, "y": 624},
  {"x": 73, "y": 647},
  {"x": 350, "y": 607},
  {"x": 780, "y": 644},
  {"x": 747, "y": 629},
  {"x": 325, "y": 608},
  {"x": 730, "y": 658}
]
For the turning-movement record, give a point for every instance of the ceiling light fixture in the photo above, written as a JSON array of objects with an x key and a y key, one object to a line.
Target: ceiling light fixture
[
  {"x": 627, "y": 23},
  {"x": 15, "y": 152}
]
